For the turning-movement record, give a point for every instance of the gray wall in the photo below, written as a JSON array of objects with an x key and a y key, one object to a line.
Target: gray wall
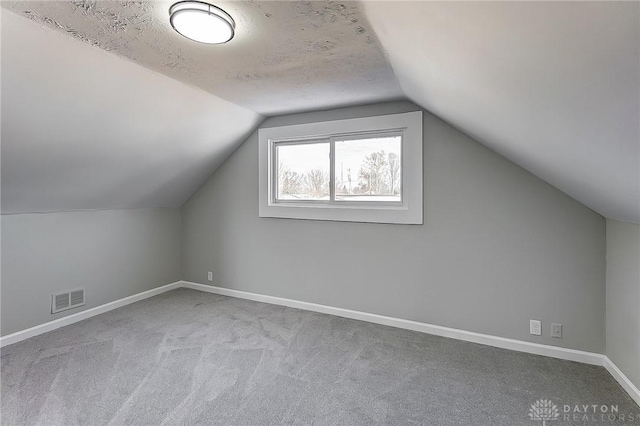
[
  {"x": 112, "y": 254},
  {"x": 497, "y": 248},
  {"x": 623, "y": 297}
]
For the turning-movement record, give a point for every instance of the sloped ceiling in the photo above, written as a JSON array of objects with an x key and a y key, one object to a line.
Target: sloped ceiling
[
  {"x": 552, "y": 86},
  {"x": 84, "y": 126},
  {"x": 83, "y": 129}
]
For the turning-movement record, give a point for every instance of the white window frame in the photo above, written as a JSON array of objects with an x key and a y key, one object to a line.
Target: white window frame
[{"x": 406, "y": 211}]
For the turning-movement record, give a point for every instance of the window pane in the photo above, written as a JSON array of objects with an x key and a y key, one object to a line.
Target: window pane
[
  {"x": 303, "y": 171},
  {"x": 368, "y": 169}
]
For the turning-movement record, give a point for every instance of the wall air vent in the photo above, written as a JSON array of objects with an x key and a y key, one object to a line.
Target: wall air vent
[{"x": 67, "y": 300}]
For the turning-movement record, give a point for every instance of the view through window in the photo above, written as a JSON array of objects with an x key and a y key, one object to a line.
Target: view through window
[
  {"x": 368, "y": 169},
  {"x": 365, "y": 169},
  {"x": 362, "y": 169},
  {"x": 303, "y": 171}
]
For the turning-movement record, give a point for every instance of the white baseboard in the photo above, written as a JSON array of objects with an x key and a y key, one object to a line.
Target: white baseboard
[
  {"x": 624, "y": 381},
  {"x": 453, "y": 333},
  {"x": 73, "y": 318},
  {"x": 485, "y": 339}
]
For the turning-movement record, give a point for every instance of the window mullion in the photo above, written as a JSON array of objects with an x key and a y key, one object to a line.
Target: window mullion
[
  {"x": 332, "y": 168},
  {"x": 274, "y": 171}
]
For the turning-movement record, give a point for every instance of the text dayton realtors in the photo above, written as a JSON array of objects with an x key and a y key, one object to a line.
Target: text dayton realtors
[{"x": 595, "y": 412}]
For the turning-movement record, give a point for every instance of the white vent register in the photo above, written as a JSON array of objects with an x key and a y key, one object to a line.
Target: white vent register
[{"x": 67, "y": 300}]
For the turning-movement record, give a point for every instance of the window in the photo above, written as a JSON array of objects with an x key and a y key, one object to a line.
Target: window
[
  {"x": 363, "y": 170},
  {"x": 301, "y": 171}
]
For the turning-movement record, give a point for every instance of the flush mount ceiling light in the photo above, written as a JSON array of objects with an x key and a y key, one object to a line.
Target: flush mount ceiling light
[{"x": 202, "y": 22}]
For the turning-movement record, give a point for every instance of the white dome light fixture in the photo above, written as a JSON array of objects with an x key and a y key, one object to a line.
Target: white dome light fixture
[{"x": 202, "y": 22}]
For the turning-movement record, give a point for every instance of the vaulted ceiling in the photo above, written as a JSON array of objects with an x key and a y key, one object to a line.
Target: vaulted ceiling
[
  {"x": 553, "y": 86},
  {"x": 105, "y": 106},
  {"x": 83, "y": 129}
]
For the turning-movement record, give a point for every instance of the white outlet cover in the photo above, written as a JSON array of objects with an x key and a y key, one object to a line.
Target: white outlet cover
[
  {"x": 535, "y": 327},
  {"x": 210, "y": 276}
]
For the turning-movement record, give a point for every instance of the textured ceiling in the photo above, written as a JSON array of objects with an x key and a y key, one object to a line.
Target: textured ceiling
[
  {"x": 286, "y": 56},
  {"x": 553, "y": 86}
]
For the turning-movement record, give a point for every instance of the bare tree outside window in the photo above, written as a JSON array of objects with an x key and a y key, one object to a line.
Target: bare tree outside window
[
  {"x": 289, "y": 182},
  {"x": 365, "y": 169},
  {"x": 368, "y": 169},
  {"x": 317, "y": 183},
  {"x": 373, "y": 173},
  {"x": 394, "y": 173},
  {"x": 303, "y": 171}
]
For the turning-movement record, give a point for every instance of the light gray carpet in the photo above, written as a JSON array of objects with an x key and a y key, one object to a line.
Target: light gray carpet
[{"x": 187, "y": 357}]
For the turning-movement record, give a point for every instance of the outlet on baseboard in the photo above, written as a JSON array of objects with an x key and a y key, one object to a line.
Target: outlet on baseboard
[
  {"x": 556, "y": 331},
  {"x": 535, "y": 327},
  {"x": 210, "y": 276}
]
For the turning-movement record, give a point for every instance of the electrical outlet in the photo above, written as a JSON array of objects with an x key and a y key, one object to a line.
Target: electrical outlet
[
  {"x": 210, "y": 276},
  {"x": 535, "y": 327},
  {"x": 556, "y": 331}
]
